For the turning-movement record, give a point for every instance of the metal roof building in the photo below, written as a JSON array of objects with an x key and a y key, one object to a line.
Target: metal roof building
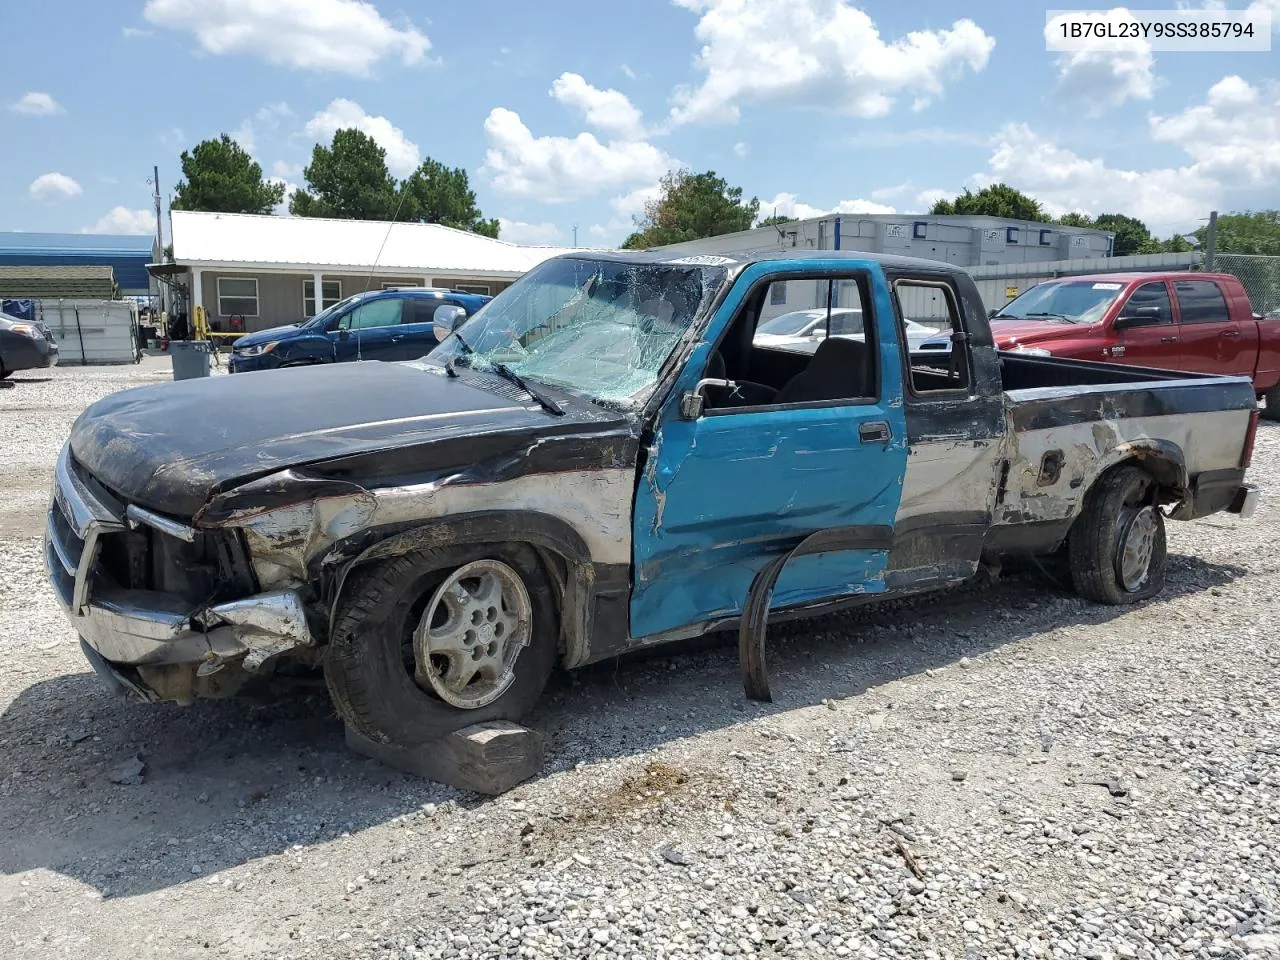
[
  {"x": 126, "y": 255},
  {"x": 265, "y": 270}
]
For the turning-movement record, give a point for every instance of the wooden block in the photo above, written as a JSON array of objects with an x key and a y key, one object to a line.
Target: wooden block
[{"x": 488, "y": 758}]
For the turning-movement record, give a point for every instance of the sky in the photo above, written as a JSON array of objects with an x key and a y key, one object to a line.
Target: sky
[{"x": 566, "y": 113}]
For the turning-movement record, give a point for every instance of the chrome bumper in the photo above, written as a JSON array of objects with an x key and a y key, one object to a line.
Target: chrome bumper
[{"x": 143, "y": 627}]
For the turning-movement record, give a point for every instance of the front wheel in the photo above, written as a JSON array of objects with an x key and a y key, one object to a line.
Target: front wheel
[
  {"x": 1117, "y": 546},
  {"x": 438, "y": 640}
]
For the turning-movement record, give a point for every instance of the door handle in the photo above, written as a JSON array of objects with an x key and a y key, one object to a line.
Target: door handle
[
  {"x": 1230, "y": 334},
  {"x": 1168, "y": 339},
  {"x": 874, "y": 431}
]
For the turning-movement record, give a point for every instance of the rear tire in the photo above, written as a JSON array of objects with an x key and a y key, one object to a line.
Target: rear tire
[
  {"x": 390, "y": 691},
  {"x": 1117, "y": 546},
  {"x": 1271, "y": 407}
]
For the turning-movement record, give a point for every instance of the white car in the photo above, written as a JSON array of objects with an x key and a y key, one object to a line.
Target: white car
[{"x": 802, "y": 330}]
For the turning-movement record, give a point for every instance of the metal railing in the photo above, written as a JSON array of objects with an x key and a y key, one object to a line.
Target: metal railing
[{"x": 1260, "y": 276}]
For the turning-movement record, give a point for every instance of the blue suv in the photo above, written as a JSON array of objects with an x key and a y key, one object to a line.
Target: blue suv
[{"x": 391, "y": 324}]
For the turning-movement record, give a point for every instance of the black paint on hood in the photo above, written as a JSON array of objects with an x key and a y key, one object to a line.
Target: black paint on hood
[{"x": 171, "y": 446}]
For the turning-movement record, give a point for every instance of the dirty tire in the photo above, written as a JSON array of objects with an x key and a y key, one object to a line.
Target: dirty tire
[
  {"x": 365, "y": 668},
  {"x": 1097, "y": 538},
  {"x": 1271, "y": 407}
]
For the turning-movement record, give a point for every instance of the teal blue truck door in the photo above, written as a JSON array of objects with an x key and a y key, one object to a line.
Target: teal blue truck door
[{"x": 812, "y": 439}]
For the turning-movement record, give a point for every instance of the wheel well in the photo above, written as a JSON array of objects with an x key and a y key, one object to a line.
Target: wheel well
[{"x": 1169, "y": 475}]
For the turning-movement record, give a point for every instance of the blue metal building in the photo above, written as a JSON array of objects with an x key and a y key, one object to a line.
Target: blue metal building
[{"x": 128, "y": 256}]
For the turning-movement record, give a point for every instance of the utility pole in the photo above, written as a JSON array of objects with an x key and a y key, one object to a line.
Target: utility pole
[
  {"x": 575, "y": 234},
  {"x": 155, "y": 195},
  {"x": 1209, "y": 237}
]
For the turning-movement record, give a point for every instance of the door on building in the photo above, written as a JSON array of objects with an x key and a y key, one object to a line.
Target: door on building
[
  {"x": 1211, "y": 341},
  {"x": 1153, "y": 339},
  {"x": 369, "y": 332}
]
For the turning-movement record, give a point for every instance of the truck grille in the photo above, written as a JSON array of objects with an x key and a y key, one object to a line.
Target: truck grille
[{"x": 79, "y": 518}]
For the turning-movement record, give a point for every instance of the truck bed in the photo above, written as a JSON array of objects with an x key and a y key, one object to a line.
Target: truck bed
[{"x": 1071, "y": 420}]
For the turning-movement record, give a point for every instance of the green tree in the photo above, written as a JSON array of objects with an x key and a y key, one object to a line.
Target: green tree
[
  {"x": 691, "y": 206},
  {"x": 775, "y": 221},
  {"x": 348, "y": 180},
  {"x": 222, "y": 178},
  {"x": 1254, "y": 231},
  {"x": 997, "y": 200},
  {"x": 435, "y": 193},
  {"x": 1175, "y": 244},
  {"x": 1132, "y": 235},
  {"x": 1076, "y": 220}
]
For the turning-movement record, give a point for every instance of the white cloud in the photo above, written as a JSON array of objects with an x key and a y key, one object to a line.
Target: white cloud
[
  {"x": 273, "y": 113},
  {"x": 628, "y": 72},
  {"x": 54, "y": 186},
  {"x": 403, "y": 155},
  {"x": 925, "y": 199},
  {"x": 557, "y": 169},
  {"x": 135, "y": 33},
  {"x": 345, "y": 36},
  {"x": 599, "y": 230},
  {"x": 124, "y": 220},
  {"x": 1109, "y": 71},
  {"x": 607, "y": 110},
  {"x": 818, "y": 53},
  {"x": 245, "y": 136},
  {"x": 518, "y": 231},
  {"x": 1062, "y": 181},
  {"x": 290, "y": 188},
  {"x": 787, "y": 205},
  {"x": 740, "y": 149},
  {"x": 889, "y": 193},
  {"x": 632, "y": 204},
  {"x": 284, "y": 170},
  {"x": 36, "y": 104},
  {"x": 1234, "y": 136}
]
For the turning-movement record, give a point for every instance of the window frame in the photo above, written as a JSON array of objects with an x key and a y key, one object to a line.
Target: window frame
[
  {"x": 398, "y": 301},
  {"x": 1168, "y": 295},
  {"x": 899, "y": 319},
  {"x": 1226, "y": 307},
  {"x": 863, "y": 280},
  {"x": 257, "y": 303},
  {"x": 325, "y": 304}
]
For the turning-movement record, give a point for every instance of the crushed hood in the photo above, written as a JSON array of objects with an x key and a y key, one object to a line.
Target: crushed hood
[{"x": 171, "y": 446}]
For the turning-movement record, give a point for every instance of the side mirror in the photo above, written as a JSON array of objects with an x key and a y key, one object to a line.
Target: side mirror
[
  {"x": 447, "y": 318},
  {"x": 693, "y": 401},
  {"x": 991, "y": 314},
  {"x": 1137, "y": 317}
]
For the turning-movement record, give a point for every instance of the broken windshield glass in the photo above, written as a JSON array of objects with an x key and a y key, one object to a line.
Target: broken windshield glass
[{"x": 597, "y": 327}]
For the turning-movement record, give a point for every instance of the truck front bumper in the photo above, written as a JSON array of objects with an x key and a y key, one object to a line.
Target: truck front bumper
[{"x": 158, "y": 646}]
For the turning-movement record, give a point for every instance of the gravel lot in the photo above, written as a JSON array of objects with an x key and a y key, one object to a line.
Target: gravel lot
[{"x": 1068, "y": 781}]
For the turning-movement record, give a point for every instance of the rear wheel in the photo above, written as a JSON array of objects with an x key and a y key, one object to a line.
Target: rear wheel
[
  {"x": 1117, "y": 546},
  {"x": 438, "y": 640},
  {"x": 1271, "y": 404}
]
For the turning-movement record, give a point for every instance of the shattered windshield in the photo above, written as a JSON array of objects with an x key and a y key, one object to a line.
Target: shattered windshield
[
  {"x": 597, "y": 327},
  {"x": 1075, "y": 302}
]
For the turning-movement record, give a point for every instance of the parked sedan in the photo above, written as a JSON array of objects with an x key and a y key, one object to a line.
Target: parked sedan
[
  {"x": 802, "y": 330},
  {"x": 392, "y": 324},
  {"x": 25, "y": 345}
]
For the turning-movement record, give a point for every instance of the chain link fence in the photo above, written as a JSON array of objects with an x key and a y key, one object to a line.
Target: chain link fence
[{"x": 1260, "y": 276}]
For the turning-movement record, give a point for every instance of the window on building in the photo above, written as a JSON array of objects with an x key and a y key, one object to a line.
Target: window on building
[
  {"x": 1011, "y": 235},
  {"x": 1200, "y": 301},
  {"x": 331, "y": 294},
  {"x": 375, "y": 313},
  {"x": 237, "y": 296},
  {"x": 1046, "y": 238},
  {"x": 778, "y": 294},
  {"x": 480, "y": 288},
  {"x": 920, "y": 230}
]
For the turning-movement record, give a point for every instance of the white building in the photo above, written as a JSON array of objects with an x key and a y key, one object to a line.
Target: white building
[{"x": 265, "y": 270}]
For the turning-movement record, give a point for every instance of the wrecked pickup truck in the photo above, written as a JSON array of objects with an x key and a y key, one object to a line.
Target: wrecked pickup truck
[{"x": 600, "y": 460}]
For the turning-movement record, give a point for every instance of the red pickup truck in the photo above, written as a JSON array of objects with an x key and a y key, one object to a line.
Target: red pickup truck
[{"x": 1199, "y": 322}]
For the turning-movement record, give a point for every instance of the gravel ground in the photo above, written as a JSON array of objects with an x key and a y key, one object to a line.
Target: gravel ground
[{"x": 1004, "y": 773}]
